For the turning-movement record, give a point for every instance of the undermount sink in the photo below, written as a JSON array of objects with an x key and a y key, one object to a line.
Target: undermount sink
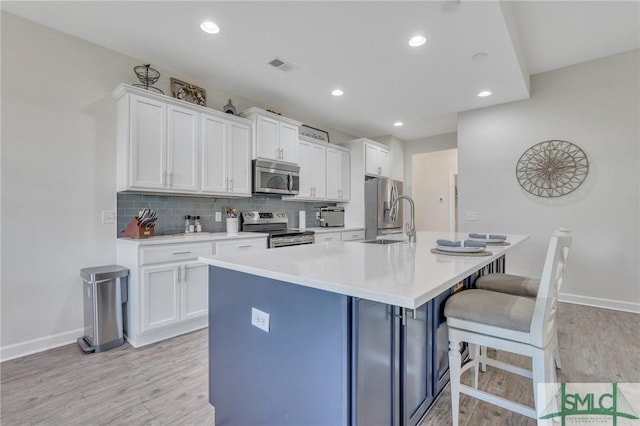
[{"x": 383, "y": 241}]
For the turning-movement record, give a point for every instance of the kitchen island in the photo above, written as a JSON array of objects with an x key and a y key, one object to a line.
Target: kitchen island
[{"x": 346, "y": 333}]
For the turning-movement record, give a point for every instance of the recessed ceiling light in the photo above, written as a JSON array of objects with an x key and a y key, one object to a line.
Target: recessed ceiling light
[
  {"x": 337, "y": 92},
  {"x": 209, "y": 27},
  {"x": 484, "y": 93},
  {"x": 398, "y": 123},
  {"x": 417, "y": 40}
]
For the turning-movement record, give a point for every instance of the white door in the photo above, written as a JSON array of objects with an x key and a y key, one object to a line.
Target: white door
[
  {"x": 268, "y": 145},
  {"x": 371, "y": 160},
  {"x": 239, "y": 158},
  {"x": 306, "y": 170},
  {"x": 319, "y": 171},
  {"x": 182, "y": 149},
  {"x": 148, "y": 142},
  {"x": 160, "y": 296},
  {"x": 289, "y": 143},
  {"x": 333, "y": 174},
  {"x": 384, "y": 162},
  {"x": 195, "y": 290},
  {"x": 214, "y": 154},
  {"x": 345, "y": 175}
]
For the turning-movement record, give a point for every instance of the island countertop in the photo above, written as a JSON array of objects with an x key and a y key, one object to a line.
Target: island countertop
[{"x": 400, "y": 274}]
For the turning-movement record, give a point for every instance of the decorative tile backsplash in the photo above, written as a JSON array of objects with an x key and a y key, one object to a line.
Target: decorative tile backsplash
[{"x": 172, "y": 210}]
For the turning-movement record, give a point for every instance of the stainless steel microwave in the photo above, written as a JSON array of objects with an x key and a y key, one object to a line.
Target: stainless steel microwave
[{"x": 271, "y": 177}]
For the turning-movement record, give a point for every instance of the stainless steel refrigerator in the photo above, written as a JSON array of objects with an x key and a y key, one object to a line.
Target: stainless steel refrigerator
[{"x": 380, "y": 219}]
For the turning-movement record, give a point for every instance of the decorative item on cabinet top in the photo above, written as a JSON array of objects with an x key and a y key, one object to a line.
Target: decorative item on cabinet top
[
  {"x": 229, "y": 108},
  {"x": 148, "y": 77},
  {"x": 311, "y": 134},
  {"x": 188, "y": 92}
]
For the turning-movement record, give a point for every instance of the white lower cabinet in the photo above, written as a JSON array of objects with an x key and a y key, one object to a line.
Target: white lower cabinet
[
  {"x": 248, "y": 244},
  {"x": 168, "y": 289},
  {"x": 327, "y": 236}
]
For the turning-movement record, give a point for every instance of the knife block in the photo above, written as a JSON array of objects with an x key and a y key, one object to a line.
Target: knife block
[{"x": 134, "y": 230}]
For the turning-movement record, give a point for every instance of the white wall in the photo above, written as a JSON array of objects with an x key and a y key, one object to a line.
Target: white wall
[
  {"x": 58, "y": 174},
  {"x": 432, "y": 173},
  {"x": 596, "y": 106}
]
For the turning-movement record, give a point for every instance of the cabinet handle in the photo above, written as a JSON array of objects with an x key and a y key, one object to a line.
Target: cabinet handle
[
  {"x": 328, "y": 238},
  {"x": 184, "y": 268},
  {"x": 164, "y": 178},
  {"x": 230, "y": 184},
  {"x": 179, "y": 274},
  {"x": 354, "y": 235},
  {"x": 247, "y": 246},
  {"x": 170, "y": 183},
  {"x": 181, "y": 252},
  {"x": 226, "y": 184}
]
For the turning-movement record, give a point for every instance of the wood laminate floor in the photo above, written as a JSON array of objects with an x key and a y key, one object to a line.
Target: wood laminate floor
[{"x": 166, "y": 383}]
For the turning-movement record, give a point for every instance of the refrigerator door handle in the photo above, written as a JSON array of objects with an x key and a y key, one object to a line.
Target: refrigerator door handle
[{"x": 394, "y": 208}]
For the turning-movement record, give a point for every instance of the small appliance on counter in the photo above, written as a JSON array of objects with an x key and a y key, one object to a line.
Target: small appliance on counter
[{"x": 331, "y": 216}]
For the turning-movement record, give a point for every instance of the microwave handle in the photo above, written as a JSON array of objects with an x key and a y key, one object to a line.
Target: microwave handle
[{"x": 290, "y": 182}]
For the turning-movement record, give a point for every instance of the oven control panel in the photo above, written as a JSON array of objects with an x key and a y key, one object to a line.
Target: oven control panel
[{"x": 264, "y": 217}]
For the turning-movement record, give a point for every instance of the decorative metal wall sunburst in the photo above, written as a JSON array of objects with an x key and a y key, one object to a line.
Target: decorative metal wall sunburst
[{"x": 552, "y": 168}]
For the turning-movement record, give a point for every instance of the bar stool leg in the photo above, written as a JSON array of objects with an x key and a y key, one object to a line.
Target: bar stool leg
[{"x": 455, "y": 365}]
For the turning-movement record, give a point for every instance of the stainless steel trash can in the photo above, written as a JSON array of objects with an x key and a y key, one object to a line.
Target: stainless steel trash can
[{"x": 104, "y": 292}]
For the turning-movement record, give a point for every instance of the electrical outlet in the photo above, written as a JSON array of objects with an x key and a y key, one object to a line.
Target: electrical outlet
[
  {"x": 318, "y": 215},
  {"x": 108, "y": 217},
  {"x": 260, "y": 319},
  {"x": 472, "y": 216},
  {"x": 218, "y": 216}
]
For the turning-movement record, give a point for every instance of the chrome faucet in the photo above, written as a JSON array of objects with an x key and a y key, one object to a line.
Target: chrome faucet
[{"x": 410, "y": 228}]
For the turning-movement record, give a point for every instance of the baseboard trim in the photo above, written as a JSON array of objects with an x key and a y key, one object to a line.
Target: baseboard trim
[
  {"x": 598, "y": 302},
  {"x": 29, "y": 347}
]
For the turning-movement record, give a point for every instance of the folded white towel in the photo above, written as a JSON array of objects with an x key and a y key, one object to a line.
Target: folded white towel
[
  {"x": 465, "y": 243},
  {"x": 488, "y": 236}
]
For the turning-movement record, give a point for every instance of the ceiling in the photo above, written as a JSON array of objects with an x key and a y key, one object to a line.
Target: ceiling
[{"x": 360, "y": 47}]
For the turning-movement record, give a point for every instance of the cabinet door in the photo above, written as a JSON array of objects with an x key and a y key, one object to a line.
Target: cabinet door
[
  {"x": 214, "y": 154},
  {"x": 267, "y": 135},
  {"x": 289, "y": 143},
  {"x": 371, "y": 160},
  {"x": 195, "y": 293},
  {"x": 375, "y": 388},
  {"x": 417, "y": 350},
  {"x": 333, "y": 174},
  {"x": 182, "y": 149},
  {"x": 319, "y": 171},
  {"x": 159, "y": 296},
  {"x": 147, "y": 143},
  {"x": 384, "y": 162},
  {"x": 345, "y": 175},
  {"x": 239, "y": 158},
  {"x": 306, "y": 170}
]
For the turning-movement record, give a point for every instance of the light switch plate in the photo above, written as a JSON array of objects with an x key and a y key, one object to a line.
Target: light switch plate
[
  {"x": 472, "y": 216},
  {"x": 108, "y": 217},
  {"x": 218, "y": 216},
  {"x": 260, "y": 319}
]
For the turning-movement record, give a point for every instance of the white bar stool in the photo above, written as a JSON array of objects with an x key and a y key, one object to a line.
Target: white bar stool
[{"x": 516, "y": 324}]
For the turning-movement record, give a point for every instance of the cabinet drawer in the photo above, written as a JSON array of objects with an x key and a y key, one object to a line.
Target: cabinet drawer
[
  {"x": 352, "y": 235},
  {"x": 327, "y": 236},
  {"x": 174, "y": 252},
  {"x": 229, "y": 246}
]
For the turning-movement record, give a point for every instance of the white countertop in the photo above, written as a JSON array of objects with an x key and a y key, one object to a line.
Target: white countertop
[
  {"x": 398, "y": 274},
  {"x": 190, "y": 238}
]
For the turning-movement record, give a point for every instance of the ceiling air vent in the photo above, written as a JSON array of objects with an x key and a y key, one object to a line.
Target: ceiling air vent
[{"x": 282, "y": 65}]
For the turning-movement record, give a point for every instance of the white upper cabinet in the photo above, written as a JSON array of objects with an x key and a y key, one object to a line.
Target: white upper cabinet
[
  {"x": 376, "y": 160},
  {"x": 324, "y": 172},
  {"x": 225, "y": 157},
  {"x": 338, "y": 174},
  {"x": 275, "y": 137},
  {"x": 147, "y": 134},
  {"x": 183, "y": 136},
  {"x": 169, "y": 145}
]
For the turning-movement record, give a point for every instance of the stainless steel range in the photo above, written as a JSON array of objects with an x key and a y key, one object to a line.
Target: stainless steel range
[{"x": 275, "y": 223}]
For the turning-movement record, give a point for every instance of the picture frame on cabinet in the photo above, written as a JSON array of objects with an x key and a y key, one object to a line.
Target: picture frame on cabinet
[
  {"x": 311, "y": 134},
  {"x": 188, "y": 92}
]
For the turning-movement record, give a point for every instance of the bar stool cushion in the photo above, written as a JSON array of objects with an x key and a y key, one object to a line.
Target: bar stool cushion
[
  {"x": 491, "y": 308},
  {"x": 510, "y": 284}
]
